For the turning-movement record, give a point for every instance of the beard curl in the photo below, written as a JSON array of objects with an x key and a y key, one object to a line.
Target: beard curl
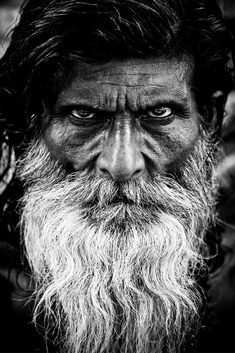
[{"x": 114, "y": 263}]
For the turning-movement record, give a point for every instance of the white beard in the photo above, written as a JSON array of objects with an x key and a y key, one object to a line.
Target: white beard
[{"x": 115, "y": 276}]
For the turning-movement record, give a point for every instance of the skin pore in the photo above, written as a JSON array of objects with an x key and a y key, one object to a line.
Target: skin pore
[{"x": 124, "y": 119}]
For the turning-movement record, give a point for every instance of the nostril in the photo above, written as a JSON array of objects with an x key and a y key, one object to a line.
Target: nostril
[
  {"x": 104, "y": 171},
  {"x": 138, "y": 171}
]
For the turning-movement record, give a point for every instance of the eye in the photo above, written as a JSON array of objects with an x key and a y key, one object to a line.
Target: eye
[
  {"x": 82, "y": 113},
  {"x": 160, "y": 112}
]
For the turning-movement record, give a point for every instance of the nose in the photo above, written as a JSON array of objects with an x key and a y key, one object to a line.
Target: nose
[{"x": 121, "y": 157}]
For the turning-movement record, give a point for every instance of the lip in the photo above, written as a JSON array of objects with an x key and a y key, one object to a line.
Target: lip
[
  {"x": 121, "y": 200},
  {"x": 116, "y": 201}
]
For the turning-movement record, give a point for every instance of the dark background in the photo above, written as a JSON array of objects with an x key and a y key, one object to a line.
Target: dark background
[{"x": 220, "y": 336}]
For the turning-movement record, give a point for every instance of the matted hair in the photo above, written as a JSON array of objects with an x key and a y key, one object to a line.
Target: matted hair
[{"x": 52, "y": 34}]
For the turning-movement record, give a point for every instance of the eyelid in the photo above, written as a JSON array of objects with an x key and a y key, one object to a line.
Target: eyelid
[
  {"x": 89, "y": 111},
  {"x": 65, "y": 109},
  {"x": 150, "y": 110},
  {"x": 177, "y": 108},
  {"x": 168, "y": 113}
]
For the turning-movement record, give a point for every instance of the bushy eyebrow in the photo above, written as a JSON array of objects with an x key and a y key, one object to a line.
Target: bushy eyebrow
[
  {"x": 164, "y": 92},
  {"x": 140, "y": 98}
]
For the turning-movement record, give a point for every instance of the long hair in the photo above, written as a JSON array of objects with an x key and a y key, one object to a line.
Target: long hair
[{"x": 53, "y": 34}]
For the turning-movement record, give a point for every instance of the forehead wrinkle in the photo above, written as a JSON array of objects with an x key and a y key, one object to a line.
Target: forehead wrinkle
[
  {"x": 107, "y": 89},
  {"x": 93, "y": 75},
  {"x": 141, "y": 99},
  {"x": 96, "y": 97},
  {"x": 122, "y": 76},
  {"x": 130, "y": 66}
]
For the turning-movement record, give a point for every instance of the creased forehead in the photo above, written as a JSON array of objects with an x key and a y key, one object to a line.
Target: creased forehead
[
  {"x": 131, "y": 66},
  {"x": 149, "y": 76}
]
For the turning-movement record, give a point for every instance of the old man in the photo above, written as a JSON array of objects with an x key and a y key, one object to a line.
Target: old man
[{"x": 110, "y": 106}]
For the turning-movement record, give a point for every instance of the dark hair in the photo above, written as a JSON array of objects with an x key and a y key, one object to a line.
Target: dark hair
[{"x": 52, "y": 34}]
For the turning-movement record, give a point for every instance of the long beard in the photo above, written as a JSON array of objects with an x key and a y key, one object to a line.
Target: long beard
[{"x": 114, "y": 263}]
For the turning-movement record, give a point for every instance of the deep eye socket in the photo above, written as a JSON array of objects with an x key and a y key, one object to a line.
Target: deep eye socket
[
  {"x": 82, "y": 113},
  {"x": 160, "y": 112}
]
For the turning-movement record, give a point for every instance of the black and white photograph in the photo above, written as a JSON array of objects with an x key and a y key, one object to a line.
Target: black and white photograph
[{"x": 117, "y": 176}]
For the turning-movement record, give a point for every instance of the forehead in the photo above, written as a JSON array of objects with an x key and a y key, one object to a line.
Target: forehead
[{"x": 127, "y": 81}]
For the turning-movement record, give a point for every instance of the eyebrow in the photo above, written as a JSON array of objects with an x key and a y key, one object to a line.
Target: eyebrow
[
  {"x": 146, "y": 98},
  {"x": 166, "y": 93}
]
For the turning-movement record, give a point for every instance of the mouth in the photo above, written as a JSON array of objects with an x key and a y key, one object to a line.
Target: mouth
[
  {"x": 117, "y": 198},
  {"x": 121, "y": 200},
  {"x": 115, "y": 201}
]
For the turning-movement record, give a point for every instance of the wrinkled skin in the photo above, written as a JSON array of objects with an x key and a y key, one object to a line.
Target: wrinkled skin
[{"x": 127, "y": 119}]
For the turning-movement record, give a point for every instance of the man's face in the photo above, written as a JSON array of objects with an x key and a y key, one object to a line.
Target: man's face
[
  {"x": 117, "y": 202},
  {"x": 125, "y": 119}
]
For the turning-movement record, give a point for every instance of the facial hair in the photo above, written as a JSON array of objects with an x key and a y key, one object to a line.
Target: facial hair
[{"x": 115, "y": 263}]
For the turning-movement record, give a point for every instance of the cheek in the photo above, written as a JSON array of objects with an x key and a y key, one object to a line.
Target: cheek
[
  {"x": 72, "y": 148},
  {"x": 55, "y": 138},
  {"x": 168, "y": 147},
  {"x": 182, "y": 144}
]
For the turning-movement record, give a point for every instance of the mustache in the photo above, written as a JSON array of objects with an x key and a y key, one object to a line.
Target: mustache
[
  {"x": 99, "y": 191},
  {"x": 105, "y": 192},
  {"x": 117, "y": 205}
]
